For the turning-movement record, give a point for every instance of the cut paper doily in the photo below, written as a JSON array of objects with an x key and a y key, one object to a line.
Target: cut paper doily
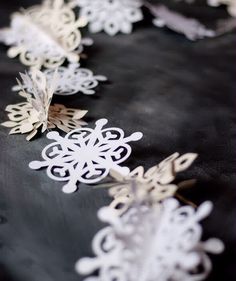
[
  {"x": 112, "y": 16},
  {"x": 86, "y": 155},
  {"x": 154, "y": 185},
  {"x": 44, "y": 35},
  {"x": 160, "y": 243},
  {"x": 74, "y": 79},
  {"x": 71, "y": 80},
  {"x": 37, "y": 113}
]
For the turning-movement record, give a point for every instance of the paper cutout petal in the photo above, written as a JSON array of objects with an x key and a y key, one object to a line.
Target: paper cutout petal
[
  {"x": 72, "y": 80},
  {"x": 86, "y": 155},
  {"x": 111, "y": 16},
  {"x": 162, "y": 242},
  {"x": 37, "y": 113},
  {"x": 44, "y": 35},
  {"x": 153, "y": 185}
]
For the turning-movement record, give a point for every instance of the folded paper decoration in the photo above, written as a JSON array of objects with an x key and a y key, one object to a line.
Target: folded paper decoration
[
  {"x": 71, "y": 80},
  {"x": 190, "y": 27},
  {"x": 86, "y": 155},
  {"x": 149, "y": 235},
  {"x": 162, "y": 242},
  {"x": 37, "y": 113},
  {"x": 44, "y": 35},
  {"x": 111, "y": 16},
  {"x": 156, "y": 184}
]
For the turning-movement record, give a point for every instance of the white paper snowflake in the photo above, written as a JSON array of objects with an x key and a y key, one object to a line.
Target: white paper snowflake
[
  {"x": 190, "y": 27},
  {"x": 160, "y": 243},
  {"x": 44, "y": 35},
  {"x": 37, "y": 114},
  {"x": 155, "y": 184},
  {"x": 86, "y": 155},
  {"x": 111, "y": 16},
  {"x": 72, "y": 80}
]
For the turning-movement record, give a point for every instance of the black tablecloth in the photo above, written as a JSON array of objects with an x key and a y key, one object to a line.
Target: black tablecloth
[{"x": 180, "y": 94}]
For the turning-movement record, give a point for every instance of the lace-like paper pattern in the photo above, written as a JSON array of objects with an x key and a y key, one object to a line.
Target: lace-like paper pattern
[
  {"x": 44, "y": 35},
  {"x": 154, "y": 184},
  {"x": 111, "y": 16},
  {"x": 37, "y": 113},
  {"x": 72, "y": 80},
  {"x": 86, "y": 155},
  {"x": 159, "y": 243}
]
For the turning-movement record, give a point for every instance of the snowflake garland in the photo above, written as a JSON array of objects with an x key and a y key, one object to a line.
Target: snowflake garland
[
  {"x": 72, "y": 79},
  {"x": 44, "y": 35},
  {"x": 156, "y": 183},
  {"x": 37, "y": 113},
  {"x": 112, "y": 16},
  {"x": 86, "y": 155},
  {"x": 143, "y": 242},
  {"x": 159, "y": 243}
]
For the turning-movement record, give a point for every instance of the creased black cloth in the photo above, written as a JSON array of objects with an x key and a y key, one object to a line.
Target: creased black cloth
[{"x": 180, "y": 94}]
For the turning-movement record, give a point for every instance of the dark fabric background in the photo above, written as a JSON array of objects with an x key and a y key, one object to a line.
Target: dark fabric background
[{"x": 180, "y": 94}]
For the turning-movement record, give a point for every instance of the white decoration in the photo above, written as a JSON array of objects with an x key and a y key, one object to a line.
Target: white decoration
[
  {"x": 155, "y": 184},
  {"x": 231, "y": 5},
  {"x": 37, "y": 114},
  {"x": 190, "y": 27},
  {"x": 111, "y": 16},
  {"x": 44, "y": 35},
  {"x": 86, "y": 155},
  {"x": 72, "y": 80},
  {"x": 160, "y": 243}
]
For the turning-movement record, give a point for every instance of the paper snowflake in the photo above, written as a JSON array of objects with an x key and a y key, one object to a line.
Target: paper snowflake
[
  {"x": 37, "y": 113},
  {"x": 86, "y": 155},
  {"x": 190, "y": 27},
  {"x": 44, "y": 35},
  {"x": 72, "y": 80},
  {"x": 153, "y": 185},
  {"x": 159, "y": 243},
  {"x": 231, "y": 5},
  {"x": 111, "y": 16}
]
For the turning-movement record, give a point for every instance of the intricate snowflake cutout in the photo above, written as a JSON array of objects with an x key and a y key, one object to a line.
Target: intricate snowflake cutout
[
  {"x": 231, "y": 4},
  {"x": 44, "y": 35},
  {"x": 86, "y": 155},
  {"x": 154, "y": 184},
  {"x": 72, "y": 80},
  {"x": 36, "y": 113},
  {"x": 159, "y": 243},
  {"x": 111, "y": 16}
]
